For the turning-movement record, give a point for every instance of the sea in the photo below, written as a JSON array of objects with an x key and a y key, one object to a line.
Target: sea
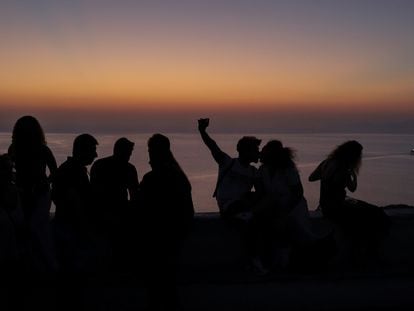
[{"x": 386, "y": 176}]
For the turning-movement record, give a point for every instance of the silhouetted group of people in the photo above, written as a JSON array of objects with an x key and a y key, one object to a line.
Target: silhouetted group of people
[{"x": 100, "y": 217}]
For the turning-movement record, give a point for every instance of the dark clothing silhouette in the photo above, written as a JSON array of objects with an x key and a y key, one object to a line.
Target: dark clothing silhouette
[
  {"x": 114, "y": 183},
  {"x": 72, "y": 197},
  {"x": 115, "y": 189},
  {"x": 75, "y": 243},
  {"x": 167, "y": 204},
  {"x": 72, "y": 194},
  {"x": 31, "y": 162},
  {"x": 366, "y": 225},
  {"x": 167, "y": 213}
]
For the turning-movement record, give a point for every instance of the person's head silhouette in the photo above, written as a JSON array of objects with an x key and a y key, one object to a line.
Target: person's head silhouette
[
  {"x": 248, "y": 149},
  {"x": 276, "y": 155},
  {"x": 159, "y": 151},
  {"x": 28, "y": 132},
  {"x": 348, "y": 155},
  {"x": 84, "y": 149},
  {"x": 123, "y": 149}
]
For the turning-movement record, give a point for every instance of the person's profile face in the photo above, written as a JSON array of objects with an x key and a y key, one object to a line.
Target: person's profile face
[
  {"x": 89, "y": 155},
  {"x": 254, "y": 154}
]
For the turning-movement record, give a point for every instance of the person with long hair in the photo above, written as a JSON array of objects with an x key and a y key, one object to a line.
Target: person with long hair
[
  {"x": 282, "y": 210},
  {"x": 364, "y": 224},
  {"x": 32, "y": 158},
  {"x": 167, "y": 215}
]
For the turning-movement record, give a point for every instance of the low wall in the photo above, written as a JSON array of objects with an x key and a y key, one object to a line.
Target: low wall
[{"x": 214, "y": 248}]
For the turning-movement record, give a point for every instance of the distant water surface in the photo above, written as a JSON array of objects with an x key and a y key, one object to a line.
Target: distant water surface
[{"x": 386, "y": 176}]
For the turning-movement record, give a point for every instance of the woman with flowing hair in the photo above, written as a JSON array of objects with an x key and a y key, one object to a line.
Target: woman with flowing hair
[
  {"x": 364, "y": 224},
  {"x": 32, "y": 158},
  {"x": 167, "y": 215},
  {"x": 282, "y": 211}
]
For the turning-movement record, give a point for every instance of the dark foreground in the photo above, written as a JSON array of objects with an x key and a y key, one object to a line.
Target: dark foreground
[{"x": 211, "y": 277}]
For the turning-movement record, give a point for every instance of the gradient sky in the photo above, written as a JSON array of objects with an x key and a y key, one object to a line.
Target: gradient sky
[{"x": 146, "y": 65}]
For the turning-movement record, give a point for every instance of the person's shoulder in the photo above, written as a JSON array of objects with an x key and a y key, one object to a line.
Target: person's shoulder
[
  {"x": 103, "y": 161},
  {"x": 69, "y": 166},
  {"x": 148, "y": 175},
  {"x": 65, "y": 164},
  {"x": 131, "y": 167}
]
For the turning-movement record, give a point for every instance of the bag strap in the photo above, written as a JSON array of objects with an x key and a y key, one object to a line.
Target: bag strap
[{"x": 221, "y": 177}]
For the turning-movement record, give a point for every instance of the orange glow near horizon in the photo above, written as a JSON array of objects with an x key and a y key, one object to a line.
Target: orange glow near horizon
[{"x": 200, "y": 57}]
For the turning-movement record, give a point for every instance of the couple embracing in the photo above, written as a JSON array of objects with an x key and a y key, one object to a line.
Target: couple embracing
[{"x": 275, "y": 215}]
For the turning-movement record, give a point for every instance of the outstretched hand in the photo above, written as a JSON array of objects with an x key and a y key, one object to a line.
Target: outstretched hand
[{"x": 203, "y": 124}]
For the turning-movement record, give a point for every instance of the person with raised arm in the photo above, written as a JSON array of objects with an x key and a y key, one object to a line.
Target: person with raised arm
[
  {"x": 233, "y": 191},
  {"x": 236, "y": 176}
]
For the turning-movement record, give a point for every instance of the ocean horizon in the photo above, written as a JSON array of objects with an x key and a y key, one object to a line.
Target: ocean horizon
[{"x": 386, "y": 176}]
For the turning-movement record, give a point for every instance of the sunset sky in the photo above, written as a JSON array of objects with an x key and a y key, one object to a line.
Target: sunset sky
[{"x": 311, "y": 65}]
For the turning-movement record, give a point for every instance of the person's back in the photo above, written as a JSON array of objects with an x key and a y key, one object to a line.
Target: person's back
[
  {"x": 167, "y": 202},
  {"x": 109, "y": 180},
  {"x": 115, "y": 181},
  {"x": 72, "y": 196},
  {"x": 167, "y": 214},
  {"x": 115, "y": 187},
  {"x": 71, "y": 192}
]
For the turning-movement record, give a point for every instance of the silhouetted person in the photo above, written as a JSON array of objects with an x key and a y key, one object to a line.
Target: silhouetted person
[
  {"x": 235, "y": 181},
  {"x": 72, "y": 196},
  {"x": 364, "y": 224},
  {"x": 115, "y": 184},
  {"x": 282, "y": 213},
  {"x": 167, "y": 213},
  {"x": 10, "y": 282},
  {"x": 32, "y": 157},
  {"x": 9, "y": 203}
]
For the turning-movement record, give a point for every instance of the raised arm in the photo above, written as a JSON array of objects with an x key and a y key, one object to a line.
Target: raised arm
[{"x": 216, "y": 152}]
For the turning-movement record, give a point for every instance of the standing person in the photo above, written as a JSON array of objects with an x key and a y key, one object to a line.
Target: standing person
[
  {"x": 115, "y": 186},
  {"x": 364, "y": 224},
  {"x": 32, "y": 157},
  {"x": 72, "y": 196},
  {"x": 235, "y": 181},
  {"x": 167, "y": 211}
]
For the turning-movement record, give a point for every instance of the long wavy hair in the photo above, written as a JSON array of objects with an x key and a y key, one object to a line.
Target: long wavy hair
[
  {"x": 161, "y": 156},
  {"x": 276, "y": 155},
  {"x": 348, "y": 155},
  {"x": 27, "y": 138}
]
